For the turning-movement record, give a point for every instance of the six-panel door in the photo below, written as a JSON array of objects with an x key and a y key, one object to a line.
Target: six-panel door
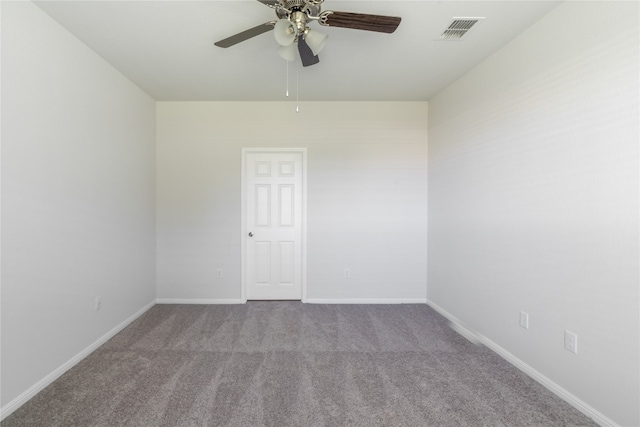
[{"x": 273, "y": 186}]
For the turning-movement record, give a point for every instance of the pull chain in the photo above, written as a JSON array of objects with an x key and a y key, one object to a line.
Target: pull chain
[
  {"x": 287, "y": 93},
  {"x": 297, "y": 89}
]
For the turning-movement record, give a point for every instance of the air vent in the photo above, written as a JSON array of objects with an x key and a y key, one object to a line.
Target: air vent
[{"x": 458, "y": 28}]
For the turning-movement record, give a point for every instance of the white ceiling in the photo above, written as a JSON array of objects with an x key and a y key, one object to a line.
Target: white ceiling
[{"x": 166, "y": 47}]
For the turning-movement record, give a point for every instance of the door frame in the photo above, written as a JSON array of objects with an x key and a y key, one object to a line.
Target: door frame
[{"x": 243, "y": 217}]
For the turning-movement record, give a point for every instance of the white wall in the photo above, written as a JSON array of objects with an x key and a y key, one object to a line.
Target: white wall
[
  {"x": 77, "y": 199},
  {"x": 533, "y": 201},
  {"x": 367, "y": 200}
]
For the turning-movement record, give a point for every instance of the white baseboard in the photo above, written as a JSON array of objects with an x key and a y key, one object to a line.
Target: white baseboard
[
  {"x": 198, "y": 301},
  {"x": 559, "y": 391},
  {"x": 10, "y": 407},
  {"x": 366, "y": 300}
]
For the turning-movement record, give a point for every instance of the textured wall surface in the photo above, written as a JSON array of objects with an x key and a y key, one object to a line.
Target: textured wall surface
[
  {"x": 533, "y": 200},
  {"x": 367, "y": 200},
  {"x": 78, "y": 210}
]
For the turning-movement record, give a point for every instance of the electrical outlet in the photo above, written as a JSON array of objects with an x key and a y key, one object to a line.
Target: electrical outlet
[
  {"x": 571, "y": 342},
  {"x": 524, "y": 320},
  {"x": 347, "y": 273},
  {"x": 98, "y": 303},
  {"x": 219, "y": 273}
]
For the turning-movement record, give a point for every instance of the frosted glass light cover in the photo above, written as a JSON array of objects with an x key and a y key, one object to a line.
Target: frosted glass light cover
[
  {"x": 315, "y": 40},
  {"x": 288, "y": 52},
  {"x": 284, "y": 32}
]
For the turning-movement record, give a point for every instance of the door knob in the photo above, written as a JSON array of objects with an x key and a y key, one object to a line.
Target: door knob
[{"x": 250, "y": 234}]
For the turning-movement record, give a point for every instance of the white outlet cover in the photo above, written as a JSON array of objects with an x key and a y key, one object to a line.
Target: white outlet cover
[
  {"x": 524, "y": 320},
  {"x": 571, "y": 342}
]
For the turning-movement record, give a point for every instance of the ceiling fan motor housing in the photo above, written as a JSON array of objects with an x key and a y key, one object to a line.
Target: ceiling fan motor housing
[
  {"x": 307, "y": 7},
  {"x": 291, "y": 4}
]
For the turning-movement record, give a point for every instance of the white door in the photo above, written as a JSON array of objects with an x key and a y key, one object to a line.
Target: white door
[{"x": 273, "y": 228}]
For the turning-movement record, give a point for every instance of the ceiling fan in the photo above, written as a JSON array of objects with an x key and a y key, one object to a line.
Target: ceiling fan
[{"x": 291, "y": 28}]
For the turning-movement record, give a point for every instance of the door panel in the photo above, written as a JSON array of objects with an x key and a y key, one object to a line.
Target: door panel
[
  {"x": 273, "y": 250},
  {"x": 287, "y": 260},
  {"x": 263, "y": 263},
  {"x": 262, "y": 213},
  {"x": 287, "y": 208}
]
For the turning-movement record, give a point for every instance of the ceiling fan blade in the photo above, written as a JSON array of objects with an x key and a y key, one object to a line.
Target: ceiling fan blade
[
  {"x": 361, "y": 21},
  {"x": 270, "y": 3},
  {"x": 306, "y": 55},
  {"x": 245, "y": 35}
]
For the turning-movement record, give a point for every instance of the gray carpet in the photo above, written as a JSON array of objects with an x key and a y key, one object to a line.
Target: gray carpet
[{"x": 293, "y": 364}]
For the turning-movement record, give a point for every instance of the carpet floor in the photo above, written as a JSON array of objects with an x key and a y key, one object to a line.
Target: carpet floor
[{"x": 292, "y": 364}]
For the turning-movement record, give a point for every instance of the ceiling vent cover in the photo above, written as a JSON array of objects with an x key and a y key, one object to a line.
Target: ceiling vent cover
[{"x": 458, "y": 28}]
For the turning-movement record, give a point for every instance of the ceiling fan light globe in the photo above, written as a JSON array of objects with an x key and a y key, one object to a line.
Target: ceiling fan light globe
[
  {"x": 315, "y": 40},
  {"x": 288, "y": 52},
  {"x": 284, "y": 32}
]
